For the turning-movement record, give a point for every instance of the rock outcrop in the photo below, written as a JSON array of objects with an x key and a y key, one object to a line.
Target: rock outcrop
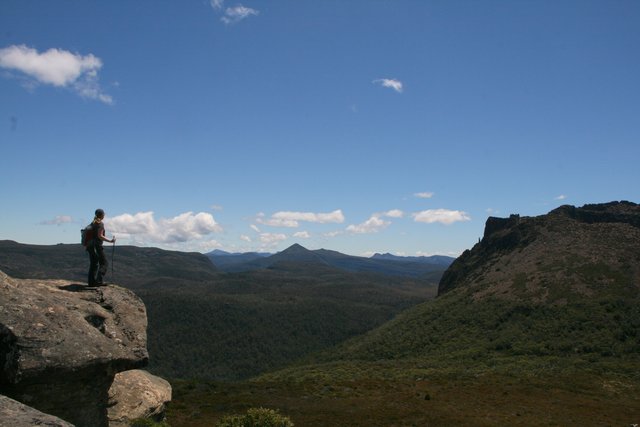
[
  {"x": 61, "y": 344},
  {"x": 16, "y": 414},
  {"x": 587, "y": 249},
  {"x": 137, "y": 394}
]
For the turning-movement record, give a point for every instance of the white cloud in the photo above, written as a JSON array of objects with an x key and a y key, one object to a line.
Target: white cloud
[
  {"x": 58, "y": 68},
  {"x": 207, "y": 246},
  {"x": 245, "y": 238},
  {"x": 333, "y": 233},
  {"x": 443, "y": 216},
  {"x": 255, "y": 228},
  {"x": 142, "y": 227},
  {"x": 217, "y": 4},
  {"x": 58, "y": 220},
  {"x": 423, "y": 253},
  {"x": 561, "y": 197},
  {"x": 233, "y": 15},
  {"x": 302, "y": 235},
  {"x": 372, "y": 225},
  {"x": 272, "y": 239},
  {"x": 390, "y": 83},
  {"x": 217, "y": 207},
  {"x": 393, "y": 213},
  {"x": 293, "y": 219},
  {"x": 375, "y": 223},
  {"x": 424, "y": 195}
]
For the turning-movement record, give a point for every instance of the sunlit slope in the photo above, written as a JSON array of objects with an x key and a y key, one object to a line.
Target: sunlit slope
[{"x": 556, "y": 287}]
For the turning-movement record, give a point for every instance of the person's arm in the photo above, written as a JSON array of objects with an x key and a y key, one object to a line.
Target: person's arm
[{"x": 102, "y": 237}]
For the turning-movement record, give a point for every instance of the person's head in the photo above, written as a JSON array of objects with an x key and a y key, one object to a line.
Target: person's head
[{"x": 99, "y": 213}]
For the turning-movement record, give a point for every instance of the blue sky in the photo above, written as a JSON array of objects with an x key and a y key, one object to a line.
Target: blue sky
[{"x": 359, "y": 126}]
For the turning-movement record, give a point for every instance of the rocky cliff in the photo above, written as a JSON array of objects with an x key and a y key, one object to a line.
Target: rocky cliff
[
  {"x": 586, "y": 249},
  {"x": 61, "y": 344}
]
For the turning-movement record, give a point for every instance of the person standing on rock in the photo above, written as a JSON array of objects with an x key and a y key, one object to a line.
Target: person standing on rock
[{"x": 98, "y": 261}]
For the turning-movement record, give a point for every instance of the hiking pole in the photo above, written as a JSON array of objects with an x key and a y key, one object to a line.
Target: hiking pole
[{"x": 113, "y": 253}]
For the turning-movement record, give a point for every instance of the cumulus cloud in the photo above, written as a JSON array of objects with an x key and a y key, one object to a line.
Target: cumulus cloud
[
  {"x": 561, "y": 197},
  {"x": 443, "y": 216},
  {"x": 372, "y": 225},
  {"x": 390, "y": 83},
  {"x": 255, "y": 228},
  {"x": 58, "y": 220},
  {"x": 293, "y": 219},
  {"x": 375, "y": 222},
  {"x": 143, "y": 227},
  {"x": 424, "y": 195},
  {"x": 302, "y": 235},
  {"x": 393, "y": 213},
  {"x": 58, "y": 68},
  {"x": 245, "y": 238},
  {"x": 272, "y": 239}
]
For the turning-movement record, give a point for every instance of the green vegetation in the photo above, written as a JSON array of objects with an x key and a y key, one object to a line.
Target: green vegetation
[
  {"x": 256, "y": 417},
  {"x": 250, "y": 323},
  {"x": 538, "y": 324},
  {"x": 455, "y": 327},
  {"x": 210, "y": 325}
]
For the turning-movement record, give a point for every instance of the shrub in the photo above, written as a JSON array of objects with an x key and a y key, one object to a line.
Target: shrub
[{"x": 256, "y": 417}]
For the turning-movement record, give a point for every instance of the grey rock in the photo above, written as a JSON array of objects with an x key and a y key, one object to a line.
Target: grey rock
[
  {"x": 137, "y": 394},
  {"x": 16, "y": 414},
  {"x": 62, "y": 343}
]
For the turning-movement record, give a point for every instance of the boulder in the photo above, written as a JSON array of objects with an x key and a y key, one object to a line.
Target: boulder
[
  {"x": 61, "y": 344},
  {"x": 15, "y": 414},
  {"x": 137, "y": 394}
]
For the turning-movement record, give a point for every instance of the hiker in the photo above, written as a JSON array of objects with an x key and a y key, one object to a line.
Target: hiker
[{"x": 96, "y": 251}]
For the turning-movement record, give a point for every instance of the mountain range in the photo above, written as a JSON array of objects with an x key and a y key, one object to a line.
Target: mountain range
[
  {"x": 536, "y": 324},
  {"x": 386, "y": 264},
  {"x": 207, "y": 323}
]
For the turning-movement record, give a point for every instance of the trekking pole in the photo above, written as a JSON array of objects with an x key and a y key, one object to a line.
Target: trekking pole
[{"x": 113, "y": 253}]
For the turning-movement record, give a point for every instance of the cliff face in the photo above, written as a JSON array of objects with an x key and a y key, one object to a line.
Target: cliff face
[
  {"x": 544, "y": 259},
  {"x": 61, "y": 345}
]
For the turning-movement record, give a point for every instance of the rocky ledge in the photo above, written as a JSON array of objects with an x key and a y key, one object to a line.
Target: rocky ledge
[
  {"x": 61, "y": 345},
  {"x": 594, "y": 236}
]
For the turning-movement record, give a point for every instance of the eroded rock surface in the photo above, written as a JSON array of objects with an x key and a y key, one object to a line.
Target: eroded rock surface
[
  {"x": 61, "y": 344},
  {"x": 137, "y": 394},
  {"x": 16, "y": 414}
]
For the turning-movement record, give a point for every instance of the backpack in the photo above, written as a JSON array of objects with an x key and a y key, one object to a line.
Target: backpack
[{"x": 86, "y": 235}]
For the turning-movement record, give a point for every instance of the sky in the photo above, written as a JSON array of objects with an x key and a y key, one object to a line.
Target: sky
[{"x": 360, "y": 126}]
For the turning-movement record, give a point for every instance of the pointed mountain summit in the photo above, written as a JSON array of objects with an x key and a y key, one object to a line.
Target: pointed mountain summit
[{"x": 296, "y": 248}]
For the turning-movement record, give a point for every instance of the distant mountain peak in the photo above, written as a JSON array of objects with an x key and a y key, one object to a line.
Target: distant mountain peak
[
  {"x": 218, "y": 252},
  {"x": 296, "y": 248}
]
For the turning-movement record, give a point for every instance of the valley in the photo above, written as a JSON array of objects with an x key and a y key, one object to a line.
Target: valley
[{"x": 537, "y": 324}]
